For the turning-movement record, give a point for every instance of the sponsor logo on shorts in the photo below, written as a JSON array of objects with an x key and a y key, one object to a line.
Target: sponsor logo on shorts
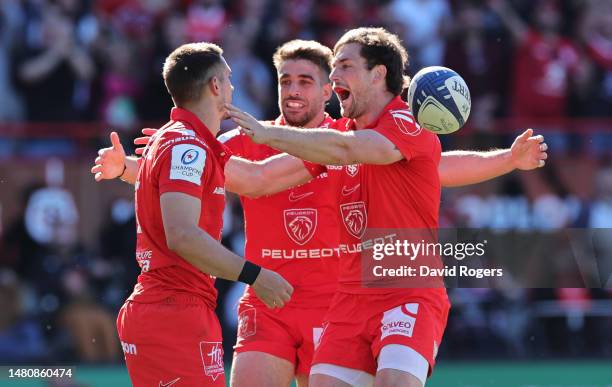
[
  {"x": 168, "y": 384},
  {"x": 399, "y": 321},
  {"x": 354, "y": 217},
  {"x": 301, "y": 224},
  {"x": 129, "y": 349},
  {"x": 247, "y": 323},
  {"x": 405, "y": 122},
  {"x": 352, "y": 169},
  {"x": 212, "y": 358}
]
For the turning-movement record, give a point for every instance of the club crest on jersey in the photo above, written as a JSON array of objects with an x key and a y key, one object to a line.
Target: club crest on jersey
[
  {"x": 352, "y": 169},
  {"x": 212, "y": 358},
  {"x": 355, "y": 218},
  {"x": 405, "y": 122},
  {"x": 300, "y": 224}
]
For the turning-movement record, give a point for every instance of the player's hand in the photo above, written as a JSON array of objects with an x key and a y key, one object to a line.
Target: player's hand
[
  {"x": 144, "y": 140},
  {"x": 248, "y": 124},
  {"x": 110, "y": 162},
  {"x": 272, "y": 289},
  {"x": 528, "y": 151}
]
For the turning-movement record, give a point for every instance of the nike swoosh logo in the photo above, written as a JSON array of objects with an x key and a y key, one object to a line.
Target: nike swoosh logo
[
  {"x": 348, "y": 191},
  {"x": 295, "y": 198},
  {"x": 168, "y": 384}
]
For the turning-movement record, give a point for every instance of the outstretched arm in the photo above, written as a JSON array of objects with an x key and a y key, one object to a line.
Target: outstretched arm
[
  {"x": 458, "y": 168},
  {"x": 322, "y": 146},
  {"x": 244, "y": 177}
]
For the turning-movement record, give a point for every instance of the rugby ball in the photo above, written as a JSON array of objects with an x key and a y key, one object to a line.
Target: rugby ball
[{"x": 439, "y": 99}]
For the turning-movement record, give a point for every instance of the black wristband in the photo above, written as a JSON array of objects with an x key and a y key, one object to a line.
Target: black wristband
[
  {"x": 123, "y": 173},
  {"x": 249, "y": 273}
]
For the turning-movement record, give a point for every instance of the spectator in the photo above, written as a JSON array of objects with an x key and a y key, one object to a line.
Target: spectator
[
  {"x": 593, "y": 97},
  {"x": 120, "y": 85},
  {"x": 155, "y": 101},
  {"x": 50, "y": 70},
  {"x": 479, "y": 60},
  {"x": 11, "y": 108},
  {"x": 249, "y": 74},
  {"x": 21, "y": 338},
  {"x": 206, "y": 20},
  {"x": 423, "y": 36},
  {"x": 544, "y": 61}
]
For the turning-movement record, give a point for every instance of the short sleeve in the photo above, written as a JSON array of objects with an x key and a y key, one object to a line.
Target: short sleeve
[
  {"x": 401, "y": 129},
  {"x": 233, "y": 140},
  {"x": 182, "y": 168}
]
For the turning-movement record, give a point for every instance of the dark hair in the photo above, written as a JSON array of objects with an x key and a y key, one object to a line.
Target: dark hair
[
  {"x": 188, "y": 68},
  {"x": 380, "y": 47},
  {"x": 309, "y": 50}
]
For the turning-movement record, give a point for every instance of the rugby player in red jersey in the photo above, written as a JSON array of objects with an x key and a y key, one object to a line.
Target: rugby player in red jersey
[
  {"x": 272, "y": 347},
  {"x": 167, "y": 326},
  {"x": 398, "y": 188}
]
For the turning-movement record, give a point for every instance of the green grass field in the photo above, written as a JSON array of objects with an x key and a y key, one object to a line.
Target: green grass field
[{"x": 456, "y": 374}]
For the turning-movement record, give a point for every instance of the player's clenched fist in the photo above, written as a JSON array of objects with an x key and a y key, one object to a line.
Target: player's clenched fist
[{"x": 272, "y": 289}]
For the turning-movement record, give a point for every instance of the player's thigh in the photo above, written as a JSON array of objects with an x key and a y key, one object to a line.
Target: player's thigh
[
  {"x": 395, "y": 378},
  {"x": 332, "y": 375},
  {"x": 254, "y": 368}
]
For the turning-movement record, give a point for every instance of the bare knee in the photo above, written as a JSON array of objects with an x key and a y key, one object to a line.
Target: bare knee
[
  {"x": 396, "y": 378},
  {"x": 260, "y": 369},
  {"x": 320, "y": 380}
]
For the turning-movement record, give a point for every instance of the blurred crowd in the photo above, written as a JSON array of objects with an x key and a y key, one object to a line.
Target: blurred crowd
[{"x": 540, "y": 63}]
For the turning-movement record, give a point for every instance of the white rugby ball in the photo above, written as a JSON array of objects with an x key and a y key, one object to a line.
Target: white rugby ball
[{"x": 439, "y": 99}]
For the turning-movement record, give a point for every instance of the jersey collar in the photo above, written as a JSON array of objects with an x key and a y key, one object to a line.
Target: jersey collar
[
  {"x": 326, "y": 123},
  {"x": 183, "y": 115}
]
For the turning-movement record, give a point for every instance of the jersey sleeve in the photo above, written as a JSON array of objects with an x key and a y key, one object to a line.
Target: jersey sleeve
[
  {"x": 401, "y": 129},
  {"x": 182, "y": 167},
  {"x": 314, "y": 169},
  {"x": 234, "y": 141}
]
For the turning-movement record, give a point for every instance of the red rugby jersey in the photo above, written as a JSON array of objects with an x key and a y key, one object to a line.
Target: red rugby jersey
[
  {"x": 183, "y": 156},
  {"x": 402, "y": 195},
  {"x": 290, "y": 232}
]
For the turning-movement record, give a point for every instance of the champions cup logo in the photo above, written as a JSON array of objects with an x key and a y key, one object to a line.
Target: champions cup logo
[
  {"x": 352, "y": 169},
  {"x": 405, "y": 122},
  {"x": 301, "y": 224},
  {"x": 212, "y": 358},
  {"x": 355, "y": 218},
  {"x": 190, "y": 156}
]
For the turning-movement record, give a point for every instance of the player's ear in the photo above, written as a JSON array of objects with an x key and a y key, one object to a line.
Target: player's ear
[
  {"x": 380, "y": 72},
  {"x": 327, "y": 91},
  {"x": 214, "y": 85}
]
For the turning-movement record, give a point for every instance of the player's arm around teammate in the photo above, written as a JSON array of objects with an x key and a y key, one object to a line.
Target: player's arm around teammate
[
  {"x": 244, "y": 177},
  {"x": 252, "y": 179},
  {"x": 456, "y": 168}
]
